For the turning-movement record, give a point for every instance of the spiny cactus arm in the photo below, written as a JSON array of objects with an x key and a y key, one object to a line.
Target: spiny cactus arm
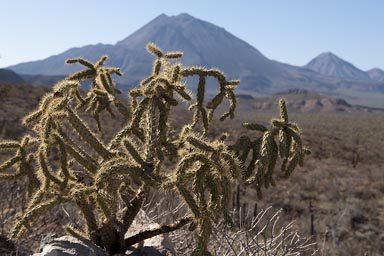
[
  {"x": 81, "y": 195},
  {"x": 266, "y": 150},
  {"x": 77, "y": 153},
  {"x": 232, "y": 164},
  {"x": 163, "y": 125},
  {"x": 83, "y": 62},
  {"x": 173, "y": 55},
  {"x": 204, "y": 232},
  {"x": 44, "y": 168},
  {"x": 189, "y": 199},
  {"x": 106, "y": 82},
  {"x": 10, "y": 162},
  {"x": 134, "y": 94},
  {"x": 132, "y": 150},
  {"x": 187, "y": 162},
  {"x": 137, "y": 116},
  {"x": 255, "y": 127},
  {"x": 11, "y": 176},
  {"x": 215, "y": 102},
  {"x": 165, "y": 94},
  {"x": 102, "y": 93},
  {"x": 230, "y": 95},
  {"x": 87, "y": 135},
  {"x": 207, "y": 170},
  {"x": 121, "y": 166},
  {"x": 33, "y": 181},
  {"x": 101, "y": 62},
  {"x": 64, "y": 168},
  {"x": 151, "y": 137},
  {"x": 199, "y": 143},
  {"x": 170, "y": 80},
  {"x": 116, "y": 141},
  {"x": 284, "y": 143},
  {"x": 182, "y": 91},
  {"x": 65, "y": 87},
  {"x": 154, "y": 49},
  {"x": 72, "y": 231},
  {"x": 23, "y": 224},
  {"x": 91, "y": 70},
  {"x": 226, "y": 90},
  {"x": 34, "y": 117},
  {"x": 225, "y": 160},
  {"x": 105, "y": 203},
  {"x": 9, "y": 144},
  {"x": 82, "y": 75},
  {"x": 225, "y": 200},
  {"x": 283, "y": 111},
  {"x": 87, "y": 211},
  {"x": 21, "y": 161}
]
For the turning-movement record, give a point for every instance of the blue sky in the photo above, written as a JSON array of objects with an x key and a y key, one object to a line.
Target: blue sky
[{"x": 291, "y": 31}]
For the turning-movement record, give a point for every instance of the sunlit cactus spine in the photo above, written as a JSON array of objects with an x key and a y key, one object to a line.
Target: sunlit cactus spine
[{"x": 121, "y": 172}]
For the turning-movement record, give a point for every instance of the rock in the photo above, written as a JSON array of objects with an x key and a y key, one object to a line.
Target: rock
[
  {"x": 160, "y": 245},
  {"x": 68, "y": 245}
]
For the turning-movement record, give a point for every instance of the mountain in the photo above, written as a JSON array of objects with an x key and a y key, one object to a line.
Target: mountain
[
  {"x": 331, "y": 65},
  {"x": 376, "y": 74},
  {"x": 10, "y": 77},
  {"x": 205, "y": 44}
]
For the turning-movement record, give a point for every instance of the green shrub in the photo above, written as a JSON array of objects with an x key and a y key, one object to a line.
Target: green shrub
[{"x": 64, "y": 161}]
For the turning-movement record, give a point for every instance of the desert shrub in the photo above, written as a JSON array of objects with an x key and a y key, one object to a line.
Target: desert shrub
[{"x": 64, "y": 161}]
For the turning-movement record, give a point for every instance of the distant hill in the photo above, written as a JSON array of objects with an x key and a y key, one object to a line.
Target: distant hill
[
  {"x": 376, "y": 74},
  {"x": 41, "y": 80},
  {"x": 208, "y": 45},
  {"x": 304, "y": 101},
  {"x": 331, "y": 65},
  {"x": 10, "y": 77}
]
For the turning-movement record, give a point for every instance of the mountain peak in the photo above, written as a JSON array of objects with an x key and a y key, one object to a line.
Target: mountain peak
[
  {"x": 184, "y": 15},
  {"x": 329, "y": 64},
  {"x": 376, "y": 70},
  {"x": 328, "y": 54},
  {"x": 376, "y": 74}
]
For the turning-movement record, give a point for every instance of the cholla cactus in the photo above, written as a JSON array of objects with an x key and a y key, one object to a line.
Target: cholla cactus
[{"x": 63, "y": 150}]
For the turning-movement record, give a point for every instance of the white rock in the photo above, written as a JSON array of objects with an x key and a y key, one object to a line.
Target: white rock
[{"x": 68, "y": 245}]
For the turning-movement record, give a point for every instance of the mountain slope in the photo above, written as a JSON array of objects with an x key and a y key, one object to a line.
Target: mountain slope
[
  {"x": 55, "y": 65},
  {"x": 331, "y": 65}
]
